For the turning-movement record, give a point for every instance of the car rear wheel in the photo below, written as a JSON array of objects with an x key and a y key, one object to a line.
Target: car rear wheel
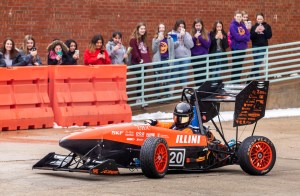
[
  {"x": 257, "y": 155},
  {"x": 154, "y": 157}
]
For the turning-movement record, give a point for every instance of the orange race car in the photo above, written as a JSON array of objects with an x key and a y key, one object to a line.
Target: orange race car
[{"x": 156, "y": 149}]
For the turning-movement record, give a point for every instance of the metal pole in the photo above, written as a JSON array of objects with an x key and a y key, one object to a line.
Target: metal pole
[
  {"x": 267, "y": 64},
  {"x": 142, "y": 83},
  {"x": 254, "y": 128},
  {"x": 207, "y": 67},
  {"x": 236, "y": 137}
]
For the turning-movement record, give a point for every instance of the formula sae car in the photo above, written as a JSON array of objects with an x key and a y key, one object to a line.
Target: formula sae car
[{"x": 157, "y": 150}]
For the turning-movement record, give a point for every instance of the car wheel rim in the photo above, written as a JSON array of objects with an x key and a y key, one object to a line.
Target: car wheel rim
[
  {"x": 160, "y": 158},
  {"x": 260, "y": 155}
]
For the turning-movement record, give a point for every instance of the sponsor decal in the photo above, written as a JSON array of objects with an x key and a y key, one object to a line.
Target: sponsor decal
[
  {"x": 110, "y": 172},
  {"x": 143, "y": 127},
  {"x": 139, "y": 139},
  {"x": 140, "y": 134},
  {"x": 95, "y": 171},
  {"x": 163, "y": 136},
  {"x": 150, "y": 134},
  {"x": 117, "y": 132},
  {"x": 129, "y": 133},
  {"x": 130, "y": 139},
  {"x": 188, "y": 139}
]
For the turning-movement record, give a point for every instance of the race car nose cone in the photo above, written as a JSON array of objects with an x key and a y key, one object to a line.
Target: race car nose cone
[
  {"x": 64, "y": 143},
  {"x": 71, "y": 145},
  {"x": 80, "y": 147}
]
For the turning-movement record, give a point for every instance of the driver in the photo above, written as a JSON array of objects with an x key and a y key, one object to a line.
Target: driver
[{"x": 182, "y": 116}]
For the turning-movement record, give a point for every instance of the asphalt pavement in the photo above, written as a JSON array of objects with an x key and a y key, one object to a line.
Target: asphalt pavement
[{"x": 21, "y": 149}]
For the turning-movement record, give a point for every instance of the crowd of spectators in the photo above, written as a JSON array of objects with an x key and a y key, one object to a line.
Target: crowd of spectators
[
  {"x": 175, "y": 44},
  {"x": 180, "y": 44}
]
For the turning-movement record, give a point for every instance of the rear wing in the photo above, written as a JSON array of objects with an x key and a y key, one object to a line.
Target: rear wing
[{"x": 250, "y": 100}]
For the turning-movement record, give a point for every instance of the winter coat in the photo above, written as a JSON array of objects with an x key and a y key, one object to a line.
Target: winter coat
[
  {"x": 213, "y": 46},
  {"x": 183, "y": 45},
  {"x": 29, "y": 60},
  {"x": 239, "y": 36},
  {"x": 261, "y": 39},
  {"x": 116, "y": 57},
  {"x": 16, "y": 61},
  {"x": 136, "y": 55},
  {"x": 156, "y": 49},
  {"x": 52, "y": 55},
  {"x": 70, "y": 60},
  {"x": 2, "y": 62},
  {"x": 201, "y": 46},
  {"x": 90, "y": 58}
]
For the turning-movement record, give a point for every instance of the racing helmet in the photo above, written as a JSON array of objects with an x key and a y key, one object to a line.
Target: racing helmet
[{"x": 183, "y": 114}]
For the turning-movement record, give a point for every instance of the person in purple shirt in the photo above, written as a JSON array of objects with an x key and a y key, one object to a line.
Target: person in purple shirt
[
  {"x": 163, "y": 50},
  {"x": 201, "y": 39},
  {"x": 239, "y": 36}
]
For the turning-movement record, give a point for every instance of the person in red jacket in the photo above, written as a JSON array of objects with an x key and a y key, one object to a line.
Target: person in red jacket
[{"x": 96, "y": 54}]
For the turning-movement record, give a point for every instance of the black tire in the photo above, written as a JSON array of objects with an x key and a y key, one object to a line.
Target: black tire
[
  {"x": 154, "y": 157},
  {"x": 257, "y": 155}
]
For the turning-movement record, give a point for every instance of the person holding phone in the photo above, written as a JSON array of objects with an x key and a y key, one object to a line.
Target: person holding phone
[
  {"x": 182, "y": 49},
  {"x": 201, "y": 39},
  {"x": 246, "y": 20},
  {"x": 163, "y": 50},
  {"x": 96, "y": 54},
  {"x": 57, "y": 53},
  {"x": 219, "y": 44},
  {"x": 116, "y": 50},
  {"x": 260, "y": 33},
  {"x": 29, "y": 52},
  {"x": 73, "y": 53},
  {"x": 240, "y": 36}
]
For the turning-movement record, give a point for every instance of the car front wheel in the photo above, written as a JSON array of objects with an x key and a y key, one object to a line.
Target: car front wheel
[{"x": 154, "y": 157}]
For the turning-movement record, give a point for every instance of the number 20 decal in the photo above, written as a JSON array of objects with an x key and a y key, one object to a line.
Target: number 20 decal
[{"x": 177, "y": 157}]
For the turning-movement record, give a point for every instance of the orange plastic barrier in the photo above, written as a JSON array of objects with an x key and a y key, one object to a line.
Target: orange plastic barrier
[
  {"x": 24, "y": 100},
  {"x": 88, "y": 96}
]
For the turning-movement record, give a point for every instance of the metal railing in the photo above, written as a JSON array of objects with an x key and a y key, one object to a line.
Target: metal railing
[{"x": 150, "y": 83}]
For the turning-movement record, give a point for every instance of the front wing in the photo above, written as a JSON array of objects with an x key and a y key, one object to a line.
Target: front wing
[{"x": 73, "y": 163}]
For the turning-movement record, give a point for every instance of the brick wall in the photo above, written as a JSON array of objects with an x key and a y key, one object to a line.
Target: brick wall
[{"x": 81, "y": 19}]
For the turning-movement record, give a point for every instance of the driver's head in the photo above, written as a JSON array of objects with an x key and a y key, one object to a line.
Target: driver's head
[{"x": 183, "y": 114}]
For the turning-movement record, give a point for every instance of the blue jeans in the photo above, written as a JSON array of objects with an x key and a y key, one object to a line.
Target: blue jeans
[
  {"x": 262, "y": 51},
  {"x": 199, "y": 80},
  {"x": 158, "y": 72},
  {"x": 238, "y": 65},
  {"x": 180, "y": 69},
  {"x": 220, "y": 62}
]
